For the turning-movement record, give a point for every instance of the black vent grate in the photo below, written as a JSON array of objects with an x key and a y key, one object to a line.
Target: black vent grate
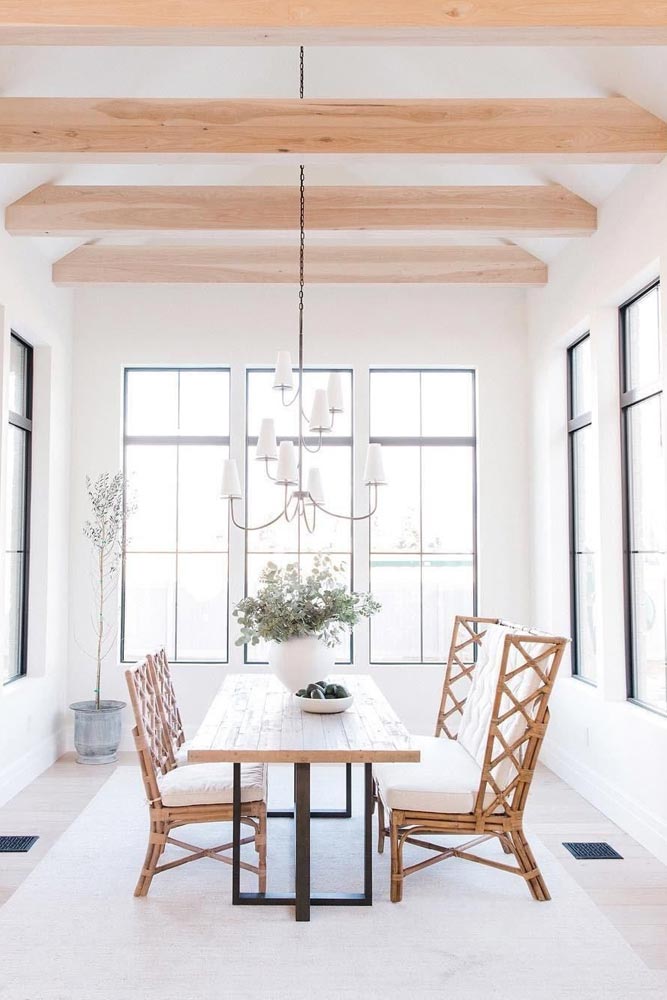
[
  {"x": 16, "y": 845},
  {"x": 596, "y": 851}
]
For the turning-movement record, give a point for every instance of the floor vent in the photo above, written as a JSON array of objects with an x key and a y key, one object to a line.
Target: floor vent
[
  {"x": 16, "y": 845},
  {"x": 597, "y": 851}
]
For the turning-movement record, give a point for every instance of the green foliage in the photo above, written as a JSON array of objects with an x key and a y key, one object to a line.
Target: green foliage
[{"x": 286, "y": 607}]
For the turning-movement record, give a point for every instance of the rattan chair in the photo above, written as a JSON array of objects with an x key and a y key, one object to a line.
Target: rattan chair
[
  {"x": 171, "y": 716},
  {"x": 475, "y": 774},
  {"x": 180, "y": 796}
]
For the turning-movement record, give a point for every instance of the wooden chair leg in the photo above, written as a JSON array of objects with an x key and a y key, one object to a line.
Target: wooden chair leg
[
  {"x": 505, "y": 846},
  {"x": 156, "y": 845},
  {"x": 141, "y": 888},
  {"x": 396, "y": 893},
  {"x": 382, "y": 829},
  {"x": 260, "y": 844},
  {"x": 527, "y": 863}
]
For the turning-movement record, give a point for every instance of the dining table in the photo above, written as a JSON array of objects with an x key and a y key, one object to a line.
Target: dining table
[{"x": 254, "y": 719}]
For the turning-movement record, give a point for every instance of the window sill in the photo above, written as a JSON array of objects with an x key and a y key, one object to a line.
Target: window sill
[
  {"x": 656, "y": 712},
  {"x": 585, "y": 680}
]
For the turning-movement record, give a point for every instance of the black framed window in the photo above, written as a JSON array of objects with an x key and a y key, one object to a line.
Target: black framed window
[
  {"x": 175, "y": 573},
  {"x": 17, "y": 496},
  {"x": 644, "y": 498},
  {"x": 423, "y": 540},
  {"x": 583, "y": 510},
  {"x": 278, "y": 543}
]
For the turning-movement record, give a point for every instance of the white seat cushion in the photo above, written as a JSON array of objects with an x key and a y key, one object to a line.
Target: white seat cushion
[
  {"x": 446, "y": 780},
  {"x": 211, "y": 784}
]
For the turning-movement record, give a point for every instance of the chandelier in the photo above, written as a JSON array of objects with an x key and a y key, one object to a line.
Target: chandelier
[{"x": 300, "y": 501}]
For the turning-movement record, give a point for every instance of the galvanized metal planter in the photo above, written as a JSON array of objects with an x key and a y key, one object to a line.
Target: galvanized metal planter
[{"x": 97, "y": 731}]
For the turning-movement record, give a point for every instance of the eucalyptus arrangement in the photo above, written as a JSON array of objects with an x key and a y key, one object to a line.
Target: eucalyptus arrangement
[{"x": 289, "y": 607}]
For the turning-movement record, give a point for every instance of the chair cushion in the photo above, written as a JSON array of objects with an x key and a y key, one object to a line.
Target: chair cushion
[
  {"x": 211, "y": 784},
  {"x": 446, "y": 780}
]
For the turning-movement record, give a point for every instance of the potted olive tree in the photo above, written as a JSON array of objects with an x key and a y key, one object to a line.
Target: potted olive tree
[
  {"x": 302, "y": 619},
  {"x": 97, "y": 723}
]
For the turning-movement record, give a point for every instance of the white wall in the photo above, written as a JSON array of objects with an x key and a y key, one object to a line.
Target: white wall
[
  {"x": 362, "y": 326},
  {"x": 612, "y": 751},
  {"x": 32, "y": 708}
]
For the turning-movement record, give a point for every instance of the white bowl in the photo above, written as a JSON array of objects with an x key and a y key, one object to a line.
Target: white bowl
[{"x": 324, "y": 706}]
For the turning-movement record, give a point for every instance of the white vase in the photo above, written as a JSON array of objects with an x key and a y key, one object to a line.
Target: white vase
[{"x": 300, "y": 661}]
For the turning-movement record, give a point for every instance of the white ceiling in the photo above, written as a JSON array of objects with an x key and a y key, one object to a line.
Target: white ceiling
[{"x": 636, "y": 73}]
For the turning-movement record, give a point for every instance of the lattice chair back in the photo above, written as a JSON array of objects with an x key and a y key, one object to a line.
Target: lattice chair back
[
  {"x": 527, "y": 667},
  {"x": 150, "y": 737},
  {"x": 467, "y": 650},
  {"x": 171, "y": 716},
  {"x": 495, "y": 703}
]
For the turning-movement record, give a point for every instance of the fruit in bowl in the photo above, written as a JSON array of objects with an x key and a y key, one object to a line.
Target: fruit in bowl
[
  {"x": 324, "y": 697},
  {"x": 323, "y": 689}
]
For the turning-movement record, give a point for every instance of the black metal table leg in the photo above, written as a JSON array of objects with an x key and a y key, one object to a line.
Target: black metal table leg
[
  {"x": 302, "y": 899},
  {"x": 302, "y": 855},
  {"x": 345, "y": 813},
  {"x": 236, "y": 836},
  {"x": 368, "y": 833}
]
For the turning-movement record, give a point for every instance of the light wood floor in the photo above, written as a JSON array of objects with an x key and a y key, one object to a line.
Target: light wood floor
[{"x": 631, "y": 893}]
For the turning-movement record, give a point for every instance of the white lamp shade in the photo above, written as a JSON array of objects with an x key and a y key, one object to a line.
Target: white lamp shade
[
  {"x": 287, "y": 473},
  {"x": 315, "y": 487},
  {"x": 374, "y": 468},
  {"x": 231, "y": 486},
  {"x": 283, "y": 378},
  {"x": 335, "y": 393},
  {"x": 266, "y": 442},
  {"x": 320, "y": 417}
]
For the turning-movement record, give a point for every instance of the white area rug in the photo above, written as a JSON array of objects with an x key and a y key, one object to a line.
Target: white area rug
[{"x": 74, "y": 931}]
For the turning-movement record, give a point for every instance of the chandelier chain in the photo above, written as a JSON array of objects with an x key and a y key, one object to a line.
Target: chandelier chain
[
  {"x": 302, "y": 197},
  {"x": 302, "y": 250},
  {"x": 302, "y": 234}
]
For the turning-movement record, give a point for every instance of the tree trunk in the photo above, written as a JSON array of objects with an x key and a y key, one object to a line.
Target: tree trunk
[{"x": 100, "y": 632}]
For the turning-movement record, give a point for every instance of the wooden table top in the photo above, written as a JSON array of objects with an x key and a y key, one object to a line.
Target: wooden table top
[{"x": 253, "y": 718}]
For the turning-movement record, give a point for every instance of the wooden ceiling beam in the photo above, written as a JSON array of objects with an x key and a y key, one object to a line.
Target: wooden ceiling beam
[
  {"x": 540, "y": 210},
  {"x": 335, "y": 22},
  {"x": 497, "y": 265},
  {"x": 608, "y": 130}
]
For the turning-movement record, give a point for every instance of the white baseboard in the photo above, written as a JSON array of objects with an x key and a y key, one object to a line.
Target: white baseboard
[
  {"x": 15, "y": 776},
  {"x": 649, "y": 830}
]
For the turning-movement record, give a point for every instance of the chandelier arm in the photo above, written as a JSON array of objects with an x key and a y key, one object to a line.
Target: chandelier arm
[
  {"x": 316, "y": 449},
  {"x": 246, "y": 527},
  {"x": 353, "y": 517},
  {"x": 297, "y": 393},
  {"x": 290, "y": 517},
  {"x": 310, "y": 528},
  {"x": 266, "y": 463}
]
